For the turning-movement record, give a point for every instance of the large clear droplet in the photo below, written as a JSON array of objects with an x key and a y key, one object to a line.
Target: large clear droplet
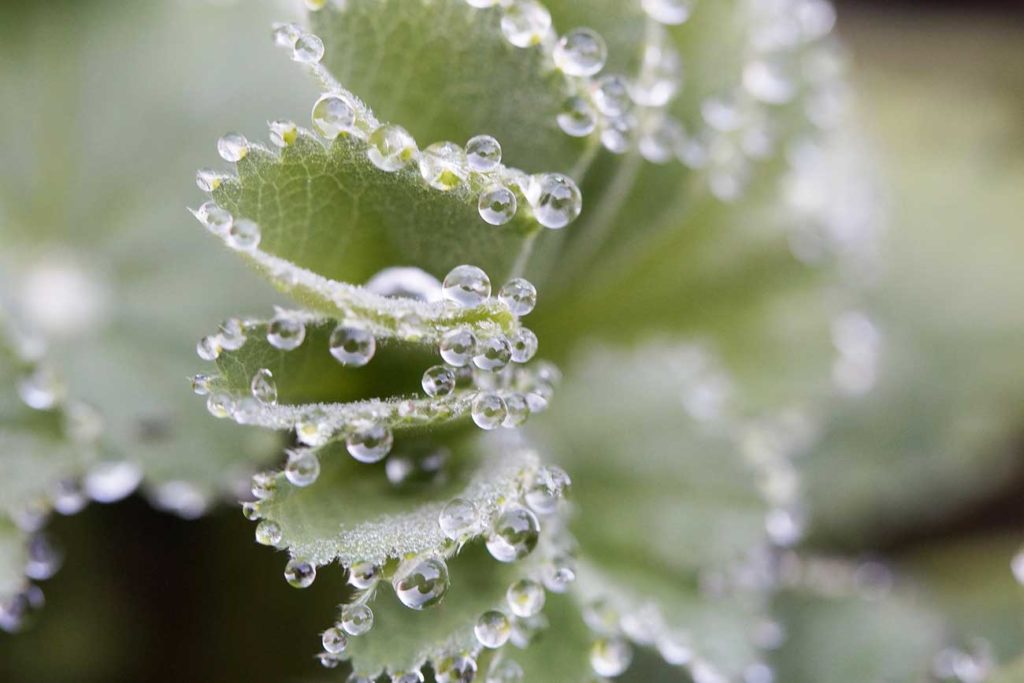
[
  {"x": 299, "y": 573},
  {"x": 525, "y": 598},
  {"x": 525, "y": 23},
  {"x": 303, "y": 468},
  {"x": 555, "y": 199},
  {"x": 286, "y": 333},
  {"x": 285, "y": 35},
  {"x": 439, "y": 381},
  {"x": 263, "y": 387},
  {"x": 492, "y": 354},
  {"x": 309, "y": 49},
  {"x": 363, "y": 575},
  {"x": 524, "y": 345},
  {"x": 514, "y": 535},
  {"x": 581, "y": 52},
  {"x": 489, "y": 411},
  {"x": 333, "y": 116},
  {"x": 352, "y": 346},
  {"x": 268, "y": 533},
  {"x": 334, "y": 641},
  {"x": 421, "y": 583},
  {"x": 459, "y": 519},
  {"x": 369, "y": 442},
  {"x": 405, "y": 283},
  {"x": 443, "y": 165},
  {"x": 468, "y": 286},
  {"x": 519, "y": 295},
  {"x": 457, "y": 347},
  {"x": 492, "y": 629},
  {"x": 243, "y": 235},
  {"x": 518, "y": 411},
  {"x": 391, "y": 148},
  {"x": 356, "y": 619},
  {"x": 233, "y": 147},
  {"x": 497, "y": 205},
  {"x": 483, "y": 153},
  {"x": 578, "y": 117}
]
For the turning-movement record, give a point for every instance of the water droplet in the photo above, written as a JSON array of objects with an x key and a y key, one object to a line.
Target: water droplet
[
  {"x": 559, "y": 573},
  {"x": 492, "y": 354},
  {"x": 334, "y": 641},
  {"x": 611, "y": 656},
  {"x": 352, "y": 346},
  {"x": 68, "y": 498},
  {"x": 41, "y": 389},
  {"x": 369, "y": 442},
  {"x": 244, "y": 235},
  {"x": 525, "y": 23},
  {"x": 44, "y": 559},
  {"x": 549, "y": 486},
  {"x": 231, "y": 334},
  {"x": 505, "y": 671},
  {"x": 457, "y": 346},
  {"x": 663, "y": 142},
  {"x": 1017, "y": 566},
  {"x": 233, "y": 147},
  {"x": 263, "y": 387},
  {"x": 268, "y": 532},
  {"x": 263, "y": 485},
  {"x": 492, "y": 629},
  {"x": 283, "y": 133},
  {"x": 422, "y": 582},
  {"x": 483, "y": 153},
  {"x": 457, "y": 669},
  {"x": 443, "y": 165},
  {"x": 497, "y": 205},
  {"x": 217, "y": 220},
  {"x": 489, "y": 411},
  {"x": 459, "y": 519},
  {"x": 309, "y": 49},
  {"x": 285, "y": 35},
  {"x": 518, "y": 411},
  {"x": 439, "y": 381},
  {"x": 578, "y": 117},
  {"x": 671, "y": 12},
  {"x": 524, "y": 345},
  {"x": 299, "y": 573},
  {"x": 785, "y": 526},
  {"x": 514, "y": 535},
  {"x": 468, "y": 286},
  {"x": 333, "y": 116},
  {"x": 405, "y": 283},
  {"x": 391, "y": 148},
  {"x": 208, "y": 180},
  {"x": 519, "y": 295},
  {"x": 555, "y": 199},
  {"x": 356, "y": 619},
  {"x": 407, "y": 677},
  {"x": 525, "y": 598},
  {"x": 208, "y": 348},
  {"x": 581, "y": 52},
  {"x": 618, "y": 133},
  {"x": 363, "y": 575},
  {"x": 611, "y": 95},
  {"x": 303, "y": 468},
  {"x": 109, "y": 482},
  {"x": 312, "y": 428},
  {"x": 285, "y": 333}
]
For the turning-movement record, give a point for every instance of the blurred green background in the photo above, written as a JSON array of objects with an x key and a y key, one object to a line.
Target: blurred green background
[{"x": 928, "y": 475}]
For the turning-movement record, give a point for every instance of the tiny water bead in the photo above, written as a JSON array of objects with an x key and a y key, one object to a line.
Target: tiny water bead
[
  {"x": 405, "y": 283},
  {"x": 611, "y": 656},
  {"x": 312, "y": 429},
  {"x": 525, "y": 598},
  {"x": 505, "y": 671},
  {"x": 459, "y": 519},
  {"x": 233, "y": 147},
  {"x": 244, "y": 235},
  {"x": 548, "y": 487},
  {"x": 581, "y": 52},
  {"x": 457, "y": 669},
  {"x": 391, "y": 148},
  {"x": 514, "y": 535},
  {"x": 207, "y": 348},
  {"x": 578, "y": 118},
  {"x": 483, "y": 153},
  {"x": 363, "y": 575},
  {"x": 283, "y": 133},
  {"x": 438, "y": 381},
  {"x": 421, "y": 583},
  {"x": 268, "y": 533},
  {"x": 555, "y": 199},
  {"x": 263, "y": 387},
  {"x": 497, "y": 205},
  {"x": 672, "y": 12},
  {"x": 662, "y": 142},
  {"x": 208, "y": 180},
  {"x": 309, "y": 49},
  {"x": 231, "y": 334},
  {"x": 42, "y": 389},
  {"x": 492, "y": 354},
  {"x": 492, "y": 629},
  {"x": 352, "y": 346},
  {"x": 443, "y": 165},
  {"x": 524, "y": 345},
  {"x": 263, "y": 485},
  {"x": 489, "y": 411},
  {"x": 369, "y": 442},
  {"x": 333, "y": 116},
  {"x": 518, "y": 411},
  {"x": 299, "y": 573},
  {"x": 285, "y": 34},
  {"x": 216, "y": 219},
  {"x": 611, "y": 95},
  {"x": 303, "y": 468},
  {"x": 467, "y": 286},
  {"x": 356, "y": 619},
  {"x": 334, "y": 641},
  {"x": 559, "y": 573},
  {"x": 618, "y": 132},
  {"x": 519, "y": 295},
  {"x": 525, "y": 23}
]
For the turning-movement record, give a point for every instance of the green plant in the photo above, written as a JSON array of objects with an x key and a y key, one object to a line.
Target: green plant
[{"x": 670, "y": 229}]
